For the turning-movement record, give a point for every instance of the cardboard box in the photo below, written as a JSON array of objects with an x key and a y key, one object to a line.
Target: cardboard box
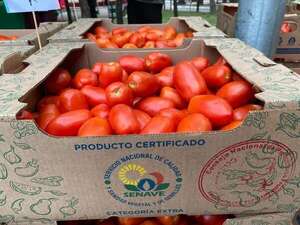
[
  {"x": 28, "y": 36},
  {"x": 77, "y": 30},
  {"x": 293, "y": 66},
  {"x": 253, "y": 169},
  {"x": 11, "y": 57}
]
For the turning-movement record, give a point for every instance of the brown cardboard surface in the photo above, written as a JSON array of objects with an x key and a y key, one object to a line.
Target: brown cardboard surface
[
  {"x": 252, "y": 169},
  {"x": 226, "y": 14},
  {"x": 76, "y": 30}
]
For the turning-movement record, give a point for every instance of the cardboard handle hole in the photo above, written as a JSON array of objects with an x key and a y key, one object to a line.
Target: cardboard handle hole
[{"x": 288, "y": 27}]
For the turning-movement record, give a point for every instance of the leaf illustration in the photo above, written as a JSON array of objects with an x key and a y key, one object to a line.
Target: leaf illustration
[
  {"x": 234, "y": 174},
  {"x": 52, "y": 181},
  {"x": 130, "y": 187},
  {"x": 162, "y": 187},
  {"x": 56, "y": 193},
  {"x": 286, "y": 207},
  {"x": 259, "y": 136},
  {"x": 3, "y": 172},
  {"x": 23, "y": 146},
  {"x": 289, "y": 191},
  {"x": 25, "y": 189}
]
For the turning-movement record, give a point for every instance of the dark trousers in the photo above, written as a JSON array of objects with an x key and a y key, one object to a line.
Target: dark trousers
[
  {"x": 140, "y": 12},
  {"x": 92, "y": 5}
]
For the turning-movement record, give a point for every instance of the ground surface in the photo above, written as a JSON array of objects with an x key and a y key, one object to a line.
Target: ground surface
[{"x": 211, "y": 18}]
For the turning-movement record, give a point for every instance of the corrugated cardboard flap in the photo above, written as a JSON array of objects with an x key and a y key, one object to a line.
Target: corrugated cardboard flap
[
  {"x": 276, "y": 82},
  {"x": 14, "y": 87}
]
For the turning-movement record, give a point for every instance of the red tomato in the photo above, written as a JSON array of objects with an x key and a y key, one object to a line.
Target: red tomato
[
  {"x": 179, "y": 39},
  {"x": 123, "y": 120},
  {"x": 95, "y": 127},
  {"x": 172, "y": 94},
  {"x": 169, "y": 220},
  {"x": 72, "y": 99},
  {"x": 175, "y": 114},
  {"x": 170, "y": 33},
  {"x": 156, "y": 62},
  {"x": 129, "y": 45},
  {"x": 286, "y": 28},
  {"x": 94, "y": 95},
  {"x": 68, "y": 124},
  {"x": 85, "y": 77},
  {"x": 237, "y": 93},
  {"x": 97, "y": 68},
  {"x": 100, "y": 30},
  {"x": 152, "y": 36},
  {"x": 110, "y": 73},
  {"x": 142, "y": 117},
  {"x": 150, "y": 222},
  {"x": 130, "y": 220},
  {"x": 101, "y": 111},
  {"x": 162, "y": 44},
  {"x": 120, "y": 40},
  {"x": 189, "y": 34},
  {"x": 217, "y": 75},
  {"x": 144, "y": 29},
  {"x": 24, "y": 115},
  {"x": 119, "y": 93},
  {"x": 143, "y": 84},
  {"x": 211, "y": 219},
  {"x": 105, "y": 43},
  {"x": 221, "y": 61},
  {"x": 232, "y": 125},
  {"x": 49, "y": 113},
  {"x": 158, "y": 125},
  {"x": 124, "y": 76},
  {"x": 216, "y": 109},
  {"x": 188, "y": 81},
  {"x": 131, "y": 63},
  {"x": 46, "y": 101},
  {"x": 200, "y": 63},
  {"x": 195, "y": 122},
  {"x": 91, "y": 37},
  {"x": 57, "y": 81},
  {"x": 138, "y": 40},
  {"x": 119, "y": 30},
  {"x": 149, "y": 44},
  {"x": 153, "y": 105},
  {"x": 242, "y": 112},
  {"x": 165, "y": 77}
]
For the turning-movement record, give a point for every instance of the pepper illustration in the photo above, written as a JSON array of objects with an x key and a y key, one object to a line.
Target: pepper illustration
[
  {"x": 25, "y": 189},
  {"x": 2, "y": 198},
  {"x": 42, "y": 206},
  {"x": 289, "y": 123},
  {"x": 16, "y": 206},
  {"x": 53, "y": 181},
  {"x": 254, "y": 161},
  {"x": 29, "y": 170},
  {"x": 69, "y": 209},
  {"x": 11, "y": 156},
  {"x": 3, "y": 172},
  {"x": 56, "y": 193},
  {"x": 244, "y": 197}
]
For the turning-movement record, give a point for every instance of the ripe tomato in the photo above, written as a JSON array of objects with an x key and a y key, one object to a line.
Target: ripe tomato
[
  {"x": 200, "y": 63},
  {"x": 72, "y": 99},
  {"x": 49, "y": 113},
  {"x": 150, "y": 222},
  {"x": 130, "y": 220},
  {"x": 179, "y": 39},
  {"x": 169, "y": 220},
  {"x": 144, "y": 29},
  {"x": 57, "y": 81},
  {"x": 138, "y": 40},
  {"x": 195, "y": 122},
  {"x": 165, "y": 77},
  {"x": 129, "y": 45},
  {"x": 286, "y": 28},
  {"x": 232, "y": 125},
  {"x": 152, "y": 36},
  {"x": 162, "y": 44},
  {"x": 119, "y": 40},
  {"x": 153, "y": 105},
  {"x": 68, "y": 124},
  {"x": 159, "y": 125},
  {"x": 149, "y": 44},
  {"x": 24, "y": 115},
  {"x": 216, "y": 109},
  {"x": 105, "y": 43},
  {"x": 156, "y": 62},
  {"x": 124, "y": 76},
  {"x": 211, "y": 219},
  {"x": 237, "y": 93},
  {"x": 189, "y": 34},
  {"x": 46, "y": 101},
  {"x": 188, "y": 81},
  {"x": 172, "y": 94},
  {"x": 110, "y": 72},
  {"x": 97, "y": 68},
  {"x": 175, "y": 114},
  {"x": 217, "y": 75},
  {"x": 131, "y": 63},
  {"x": 123, "y": 120},
  {"x": 170, "y": 33},
  {"x": 95, "y": 127},
  {"x": 94, "y": 95},
  {"x": 100, "y": 30},
  {"x": 119, "y": 30},
  {"x": 101, "y": 110},
  {"x": 242, "y": 112},
  {"x": 91, "y": 37},
  {"x": 119, "y": 93},
  {"x": 142, "y": 117},
  {"x": 143, "y": 84},
  {"x": 221, "y": 61},
  {"x": 85, "y": 77}
]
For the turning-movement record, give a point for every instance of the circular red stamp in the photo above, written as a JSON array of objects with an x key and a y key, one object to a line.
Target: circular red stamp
[{"x": 247, "y": 173}]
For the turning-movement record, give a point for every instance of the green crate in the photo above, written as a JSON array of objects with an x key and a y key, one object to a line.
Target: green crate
[{"x": 11, "y": 20}]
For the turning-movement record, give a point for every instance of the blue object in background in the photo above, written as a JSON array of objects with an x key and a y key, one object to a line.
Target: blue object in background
[
  {"x": 18, "y": 6},
  {"x": 258, "y": 23}
]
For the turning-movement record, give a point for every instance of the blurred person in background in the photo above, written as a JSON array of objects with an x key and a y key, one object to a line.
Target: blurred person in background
[{"x": 88, "y": 8}]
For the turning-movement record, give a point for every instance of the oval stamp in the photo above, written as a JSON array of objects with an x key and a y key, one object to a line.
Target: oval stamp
[{"x": 247, "y": 173}]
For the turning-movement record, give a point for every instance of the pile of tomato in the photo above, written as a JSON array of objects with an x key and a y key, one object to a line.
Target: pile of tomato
[
  {"x": 144, "y": 96},
  {"x": 144, "y": 37},
  {"x": 7, "y": 38},
  {"x": 286, "y": 28},
  {"x": 163, "y": 220}
]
